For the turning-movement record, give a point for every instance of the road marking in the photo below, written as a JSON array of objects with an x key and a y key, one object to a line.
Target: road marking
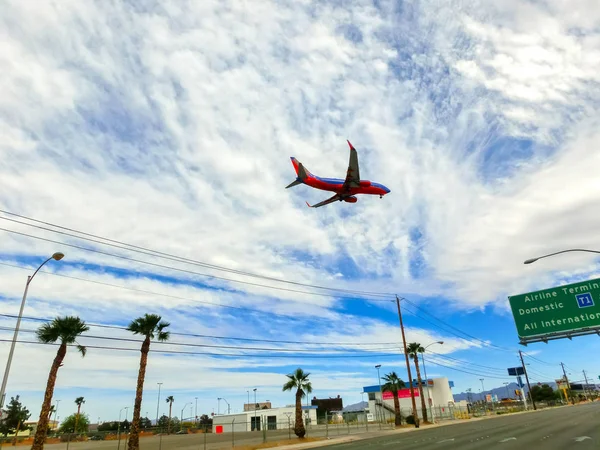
[
  {"x": 446, "y": 440},
  {"x": 581, "y": 438},
  {"x": 508, "y": 439}
]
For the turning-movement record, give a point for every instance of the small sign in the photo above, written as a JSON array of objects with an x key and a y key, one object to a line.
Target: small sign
[
  {"x": 584, "y": 300},
  {"x": 370, "y": 417}
]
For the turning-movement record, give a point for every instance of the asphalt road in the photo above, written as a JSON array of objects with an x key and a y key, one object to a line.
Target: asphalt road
[{"x": 572, "y": 428}]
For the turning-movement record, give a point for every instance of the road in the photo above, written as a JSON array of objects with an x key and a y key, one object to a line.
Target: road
[{"x": 572, "y": 428}]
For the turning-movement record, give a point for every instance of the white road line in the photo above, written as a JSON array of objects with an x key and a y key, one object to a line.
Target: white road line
[
  {"x": 581, "y": 438},
  {"x": 446, "y": 440},
  {"x": 508, "y": 439}
]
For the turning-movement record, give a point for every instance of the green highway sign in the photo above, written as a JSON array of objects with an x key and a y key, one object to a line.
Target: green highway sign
[{"x": 558, "y": 312}]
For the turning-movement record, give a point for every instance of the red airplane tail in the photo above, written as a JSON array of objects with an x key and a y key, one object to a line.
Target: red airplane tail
[{"x": 301, "y": 172}]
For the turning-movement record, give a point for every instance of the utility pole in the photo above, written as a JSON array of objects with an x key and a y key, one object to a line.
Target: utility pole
[
  {"x": 527, "y": 379},
  {"x": 568, "y": 385},
  {"x": 586, "y": 383},
  {"x": 412, "y": 389}
]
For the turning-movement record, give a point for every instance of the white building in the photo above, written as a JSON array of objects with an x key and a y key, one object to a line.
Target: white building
[
  {"x": 437, "y": 393},
  {"x": 271, "y": 419}
]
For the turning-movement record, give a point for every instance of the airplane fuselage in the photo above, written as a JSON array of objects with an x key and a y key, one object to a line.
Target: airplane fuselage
[{"x": 337, "y": 185}]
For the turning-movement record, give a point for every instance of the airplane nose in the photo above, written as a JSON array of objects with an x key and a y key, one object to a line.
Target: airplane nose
[{"x": 387, "y": 191}]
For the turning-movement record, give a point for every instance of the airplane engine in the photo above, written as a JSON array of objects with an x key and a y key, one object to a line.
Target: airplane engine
[
  {"x": 350, "y": 199},
  {"x": 365, "y": 183}
]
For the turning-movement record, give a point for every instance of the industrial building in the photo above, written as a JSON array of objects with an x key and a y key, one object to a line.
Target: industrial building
[
  {"x": 271, "y": 419},
  {"x": 437, "y": 392}
]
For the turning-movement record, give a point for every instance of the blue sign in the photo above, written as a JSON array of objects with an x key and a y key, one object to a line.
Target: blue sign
[
  {"x": 514, "y": 371},
  {"x": 585, "y": 300}
]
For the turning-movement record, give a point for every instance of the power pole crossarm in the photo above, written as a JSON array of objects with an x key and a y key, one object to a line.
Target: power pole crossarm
[{"x": 527, "y": 379}]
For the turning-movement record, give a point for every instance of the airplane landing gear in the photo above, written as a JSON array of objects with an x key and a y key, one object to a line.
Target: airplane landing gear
[{"x": 380, "y": 196}]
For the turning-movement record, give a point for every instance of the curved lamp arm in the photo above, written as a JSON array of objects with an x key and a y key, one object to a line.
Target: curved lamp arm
[{"x": 532, "y": 260}]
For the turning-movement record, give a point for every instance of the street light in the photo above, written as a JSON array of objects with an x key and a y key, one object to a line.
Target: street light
[
  {"x": 158, "y": 403},
  {"x": 228, "y": 407},
  {"x": 380, "y": 393},
  {"x": 532, "y": 260},
  {"x": 507, "y": 393},
  {"x": 196, "y": 412},
  {"x": 432, "y": 413},
  {"x": 181, "y": 421},
  {"x": 254, "y": 408},
  {"x": 57, "y": 257}
]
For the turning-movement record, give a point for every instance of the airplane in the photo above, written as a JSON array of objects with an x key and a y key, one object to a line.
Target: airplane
[{"x": 345, "y": 190}]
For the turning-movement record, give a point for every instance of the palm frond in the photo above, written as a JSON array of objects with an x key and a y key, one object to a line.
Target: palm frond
[{"x": 82, "y": 350}]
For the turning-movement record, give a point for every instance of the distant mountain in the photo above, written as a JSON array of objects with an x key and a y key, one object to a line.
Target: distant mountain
[
  {"x": 500, "y": 392},
  {"x": 360, "y": 406}
]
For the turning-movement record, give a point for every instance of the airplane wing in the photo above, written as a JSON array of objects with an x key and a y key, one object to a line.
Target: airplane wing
[
  {"x": 335, "y": 198},
  {"x": 353, "y": 173}
]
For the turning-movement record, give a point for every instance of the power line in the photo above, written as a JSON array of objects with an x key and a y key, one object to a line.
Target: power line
[
  {"x": 144, "y": 250},
  {"x": 150, "y": 252},
  {"x": 219, "y": 305},
  {"x": 143, "y": 291},
  {"x": 184, "y": 344},
  {"x": 41, "y": 319},
  {"x": 289, "y": 317},
  {"x": 487, "y": 344},
  {"x": 467, "y": 362},
  {"x": 237, "y": 355},
  {"x": 540, "y": 361},
  {"x": 465, "y": 371}
]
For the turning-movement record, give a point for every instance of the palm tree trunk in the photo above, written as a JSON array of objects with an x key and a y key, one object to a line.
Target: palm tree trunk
[
  {"x": 77, "y": 418},
  {"x": 398, "y": 416},
  {"x": 42, "y": 429},
  {"x": 134, "y": 434},
  {"x": 423, "y": 406},
  {"x": 169, "y": 424},
  {"x": 299, "y": 429}
]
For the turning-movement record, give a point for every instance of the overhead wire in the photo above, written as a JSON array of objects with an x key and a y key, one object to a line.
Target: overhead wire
[
  {"x": 41, "y": 319},
  {"x": 144, "y": 291},
  {"x": 224, "y": 355},
  {"x": 189, "y": 344},
  {"x": 130, "y": 247},
  {"x": 485, "y": 343},
  {"x": 155, "y": 253}
]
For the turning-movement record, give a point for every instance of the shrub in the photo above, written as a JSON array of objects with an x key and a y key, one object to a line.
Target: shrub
[{"x": 410, "y": 419}]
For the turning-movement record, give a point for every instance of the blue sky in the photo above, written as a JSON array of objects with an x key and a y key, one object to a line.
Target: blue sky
[{"x": 171, "y": 127}]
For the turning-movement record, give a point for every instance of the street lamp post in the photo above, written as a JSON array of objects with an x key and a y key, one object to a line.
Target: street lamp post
[
  {"x": 181, "y": 421},
  {"x": 429, "y": 402},
  {"x": 228, "y": 407},
  {"x": 507, "y": 393},
  {"x": 380, "y": 393},
  {"x": 57, "y": 257},
  {"x": 158, "y": 403},
  {"x": 196, "y": 412},
  {"x": 255, "y": 427},
  {"x": 56, "y": 413},
  {"x": 532, "y": 260}
]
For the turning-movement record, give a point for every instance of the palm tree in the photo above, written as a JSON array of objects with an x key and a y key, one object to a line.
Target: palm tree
[
  {"x": 413, "y": 350},
  {"x": 66, "y": 330},
  {"x": 149, "y": 326},
  {"x": 393, "y": 384},
  {"x": 298, "y": 380},
  {"x": 78, "y": 401},
  {"x": 170, "y": 401}
]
